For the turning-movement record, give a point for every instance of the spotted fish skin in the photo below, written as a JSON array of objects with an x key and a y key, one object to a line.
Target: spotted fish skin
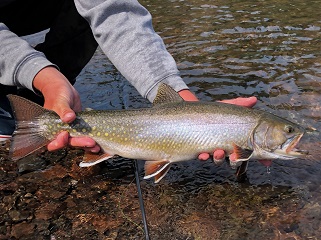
[{"x": 171, "y": 131}]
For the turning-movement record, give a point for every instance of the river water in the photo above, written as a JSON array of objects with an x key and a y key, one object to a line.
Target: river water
[
  {"x": 224, "y": 49},
  {"x": 227, "y": 49}
]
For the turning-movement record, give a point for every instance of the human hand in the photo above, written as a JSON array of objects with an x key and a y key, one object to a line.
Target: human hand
[
  {"x": 219, "y": 154},
  {"x": 61, "y": 97}
]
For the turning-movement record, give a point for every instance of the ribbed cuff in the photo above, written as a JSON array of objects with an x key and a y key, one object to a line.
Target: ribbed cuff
[{"x": 29, "y": 68}]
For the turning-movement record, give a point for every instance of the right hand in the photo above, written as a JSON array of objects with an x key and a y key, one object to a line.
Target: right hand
[
  {"x": 61, "y": 97},
  {"x": 219, "y": 154}
]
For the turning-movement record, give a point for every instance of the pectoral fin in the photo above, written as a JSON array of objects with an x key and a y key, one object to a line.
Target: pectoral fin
[
  {"x": 157, "y": 169},
  {"x": 91, "y": 159},
  {"x": 241, "y": 154}
]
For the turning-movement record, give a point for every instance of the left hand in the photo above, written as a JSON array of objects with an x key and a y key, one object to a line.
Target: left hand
[
  {"x": 61, "y": 97},
  {"x": 218, "y": 154}
]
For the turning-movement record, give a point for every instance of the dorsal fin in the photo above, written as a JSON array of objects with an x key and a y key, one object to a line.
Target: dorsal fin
[{"x": 166, "y": 94}]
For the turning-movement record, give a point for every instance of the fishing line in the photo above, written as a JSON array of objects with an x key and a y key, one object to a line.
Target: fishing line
[
  {"x": 125, "y": 100},
  {"x": 141, "y": 201}
]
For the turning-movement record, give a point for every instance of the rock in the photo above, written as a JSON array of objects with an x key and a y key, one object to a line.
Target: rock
[
  {"x": 30, "y": 164},
  {"x": 22, "y": 230},
  {"x": 46, "y": 211},
  {"x": 18, "y": 216},
  {"x": 56, "y": 171},
  {"x": 28, "y": 195}
]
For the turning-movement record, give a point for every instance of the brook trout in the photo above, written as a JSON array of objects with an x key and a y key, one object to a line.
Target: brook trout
[{"x": 172, "y": 130}]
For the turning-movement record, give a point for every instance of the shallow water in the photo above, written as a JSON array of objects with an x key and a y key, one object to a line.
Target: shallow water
[{"x": 224, "y": 49}]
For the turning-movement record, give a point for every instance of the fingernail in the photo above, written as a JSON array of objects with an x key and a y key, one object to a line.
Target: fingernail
[{"x": 68, "y": 117}]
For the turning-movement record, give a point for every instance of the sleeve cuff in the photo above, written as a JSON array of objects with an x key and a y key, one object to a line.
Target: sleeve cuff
[{"x": 29, "y": 68}]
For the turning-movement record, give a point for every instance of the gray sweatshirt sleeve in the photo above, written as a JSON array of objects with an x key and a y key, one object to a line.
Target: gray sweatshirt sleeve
[
  {"x": 19, "y": 62},
  {"x": 123, "y": 30}
]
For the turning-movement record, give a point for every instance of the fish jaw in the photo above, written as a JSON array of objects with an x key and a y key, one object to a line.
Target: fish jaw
[{"x": 286, "y": 151}]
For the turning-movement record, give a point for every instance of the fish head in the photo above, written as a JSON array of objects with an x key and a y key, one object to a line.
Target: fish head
[{"x": 276, "y": 138}]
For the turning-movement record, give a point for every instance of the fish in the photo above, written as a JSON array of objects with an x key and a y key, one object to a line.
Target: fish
[{"x": 170, "y": 131}]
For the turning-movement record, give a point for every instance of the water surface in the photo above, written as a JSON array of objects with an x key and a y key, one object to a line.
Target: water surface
[{"x": 227, "y": 49}]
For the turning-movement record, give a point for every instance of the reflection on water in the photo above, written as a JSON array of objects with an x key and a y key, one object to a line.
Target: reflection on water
[{"x": 224, "y": 49}]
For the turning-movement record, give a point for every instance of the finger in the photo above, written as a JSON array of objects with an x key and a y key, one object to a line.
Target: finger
[
  {"x": 62, "y": 108},
  {"x": 61, "y": 141},
  {"x": 232, "y": 157},
  {"x": 245, "y": 102},
  {"x": 187, "y": 95},
  {"x": 84, "y": 142},
  {"x": 66, "y": 107},
  {"x": 68, "y": 117},
  {"x": 95, "y": 149},
  {"x": 203, "y": 156},
  {"x": 219, "y": 156},
  {"x": 64, "y": 111}
]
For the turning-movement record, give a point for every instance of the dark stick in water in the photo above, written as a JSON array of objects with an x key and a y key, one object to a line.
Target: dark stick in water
[{"x": 141, "y": 201}]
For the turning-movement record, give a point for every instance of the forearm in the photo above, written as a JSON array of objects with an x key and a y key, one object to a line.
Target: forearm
[
  {"x": 124, "y": 31},
  {"x": 19, "y": 62}
]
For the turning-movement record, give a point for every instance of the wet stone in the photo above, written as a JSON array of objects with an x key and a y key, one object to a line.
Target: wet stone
[
  {"x": 56, "y": 171},
  {"x": 30, "y": 164},
  {"x": 18, "y": 216},
  {"x": 12, "y": 186},
  {"x": 50, "y": 193},
  {"x": 28, "y": 195},
  {"x": 42, "y": 226},
  {"x": 22, "y": 230},
  {"x": 46, "y": 211}
]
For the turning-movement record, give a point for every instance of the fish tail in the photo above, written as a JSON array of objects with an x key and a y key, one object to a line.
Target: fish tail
[{"x": 27, "y": 137}]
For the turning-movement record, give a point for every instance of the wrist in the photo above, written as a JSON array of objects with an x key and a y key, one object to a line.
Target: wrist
[{"x": 47, "y": 77}]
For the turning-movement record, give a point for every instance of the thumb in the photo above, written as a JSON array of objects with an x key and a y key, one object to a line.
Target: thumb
[
  {"x": 63, "y": 109},
  {"x": 67, "y": 115}
]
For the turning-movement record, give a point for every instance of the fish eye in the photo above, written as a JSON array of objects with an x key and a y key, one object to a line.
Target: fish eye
[{"x": 289, "y": 129}]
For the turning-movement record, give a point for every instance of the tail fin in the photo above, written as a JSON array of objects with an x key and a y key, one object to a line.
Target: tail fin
[{"x": 27, "y": 137}]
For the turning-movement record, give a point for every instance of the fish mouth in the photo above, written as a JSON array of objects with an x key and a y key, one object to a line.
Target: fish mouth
[{"x": 288, "y": 148}]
